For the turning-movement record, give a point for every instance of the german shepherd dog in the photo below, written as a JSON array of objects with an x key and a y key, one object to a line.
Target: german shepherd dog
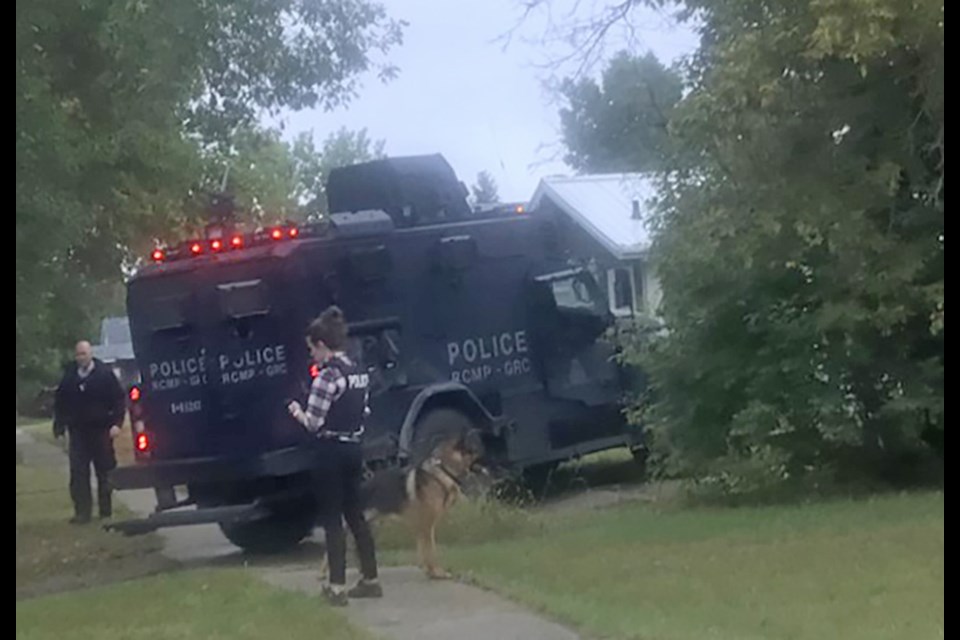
[{"x": 423, "y": 492}]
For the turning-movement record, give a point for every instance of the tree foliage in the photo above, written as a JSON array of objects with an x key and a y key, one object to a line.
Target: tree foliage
[
  {"x": 621, "y": 122},
  {"x": 485, "y": 190},
  {"x": 339, "y": 149},
  {"x": 122, "y": 105},
  {"x": 272, "y": 180},
  {"x": 799, "y": 241}
]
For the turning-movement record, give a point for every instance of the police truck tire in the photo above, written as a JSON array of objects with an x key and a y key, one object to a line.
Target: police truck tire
[
  {"x": 435, "y": 427},
  {"x": 273, "y": 534},
  {"x": 640, "y": 458},
  {"x": 537, "y": 478}
]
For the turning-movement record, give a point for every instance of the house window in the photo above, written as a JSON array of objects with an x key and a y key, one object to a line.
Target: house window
[
  {"x": 625, "y": 290},
  {"x": 574, "y": 293},
  {"x": 639, "y": 295},
  {"x": 569, "y": 290},
  {"x": 620, "y": 291}
]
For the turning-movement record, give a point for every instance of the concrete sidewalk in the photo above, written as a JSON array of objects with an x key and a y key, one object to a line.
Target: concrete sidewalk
[{"x": 414, "y": 608}]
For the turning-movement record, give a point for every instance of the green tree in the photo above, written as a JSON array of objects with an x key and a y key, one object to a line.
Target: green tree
[
  {"x": 485, "y": 191},
  {"x": 258, "y": 170},
  {"x": 339, "y": 149},
  {"x": 119, "y": 107},
  {"x": 802, "y": 258},
  {"x": 272, "y": 180},
  {"x": 799, "y": 239},
  {"x": 620, "y": 123}
]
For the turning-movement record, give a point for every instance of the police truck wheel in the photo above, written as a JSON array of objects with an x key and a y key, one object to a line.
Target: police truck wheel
[
  {"x": 640, "y": 457},
  {"x": 273, "y": 534},
  {"x": 435, "y": 427},
  {"x": 537, "y": 478}
]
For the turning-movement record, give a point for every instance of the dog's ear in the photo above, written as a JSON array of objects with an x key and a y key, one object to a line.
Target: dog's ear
[
  {"x": 459, "y": 444},
  {"x": 472, "y": 442}
]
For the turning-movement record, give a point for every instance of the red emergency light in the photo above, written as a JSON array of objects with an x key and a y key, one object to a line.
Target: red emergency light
[
  {"x": 143, "y": 442},
  {"x": 235, "y": 241}
]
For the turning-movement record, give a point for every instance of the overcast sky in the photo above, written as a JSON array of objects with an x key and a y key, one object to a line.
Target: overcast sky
[{"x": 461, "y": 94}]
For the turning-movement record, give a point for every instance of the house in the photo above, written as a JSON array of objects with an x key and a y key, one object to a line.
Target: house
[
  {"x": 604, "y": 217},
  {"x": 116, "y": 349}
]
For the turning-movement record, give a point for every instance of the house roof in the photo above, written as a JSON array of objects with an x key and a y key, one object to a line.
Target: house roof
[
  {"x": 115, "y": 342},
  {"x": 111, "y": 353},
  {"x": 603, "y": 205},
  {"x": 115, "y": 330}
]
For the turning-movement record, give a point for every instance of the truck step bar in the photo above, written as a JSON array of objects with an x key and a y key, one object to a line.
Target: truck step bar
[{"x": 232, "y": 513}]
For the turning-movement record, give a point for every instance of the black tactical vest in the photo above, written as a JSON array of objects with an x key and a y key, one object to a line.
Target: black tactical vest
[{"x": 346, "y": 415}]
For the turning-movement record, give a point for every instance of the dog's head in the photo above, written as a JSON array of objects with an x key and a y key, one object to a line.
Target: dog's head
[{"x": 463, "y": 454}]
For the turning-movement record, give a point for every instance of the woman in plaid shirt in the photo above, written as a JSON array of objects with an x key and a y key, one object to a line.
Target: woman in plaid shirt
[{"x": 334, "y": 415}]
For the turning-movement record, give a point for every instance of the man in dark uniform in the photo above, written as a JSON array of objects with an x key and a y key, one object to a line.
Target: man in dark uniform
[
  {"x": 335, "y": 415},
  {"x": 89, "y": 406}
]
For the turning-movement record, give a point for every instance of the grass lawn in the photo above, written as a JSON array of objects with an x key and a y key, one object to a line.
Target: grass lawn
[
  {"x": 854, "y": 569},
  {"x": 53, "y": 555},
  {"x": 122, "y": 445},
  {"x": 109, "y": 587},
  {"x": 868, "y": 569},
  {"x": 227, "y": 604}
]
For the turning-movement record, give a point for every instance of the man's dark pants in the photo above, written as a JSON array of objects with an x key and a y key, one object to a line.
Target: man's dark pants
[{"x": 91, "y": 447}]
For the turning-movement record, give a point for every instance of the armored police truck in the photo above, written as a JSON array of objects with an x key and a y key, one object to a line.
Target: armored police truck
[{"x": 463, "y": 320}]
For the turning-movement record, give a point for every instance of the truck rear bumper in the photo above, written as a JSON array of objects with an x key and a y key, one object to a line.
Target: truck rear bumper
[{"x": 168, "y": 473}]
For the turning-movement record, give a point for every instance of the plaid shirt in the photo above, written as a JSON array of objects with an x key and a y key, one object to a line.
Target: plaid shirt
[{"x": 326, "y": 388}]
